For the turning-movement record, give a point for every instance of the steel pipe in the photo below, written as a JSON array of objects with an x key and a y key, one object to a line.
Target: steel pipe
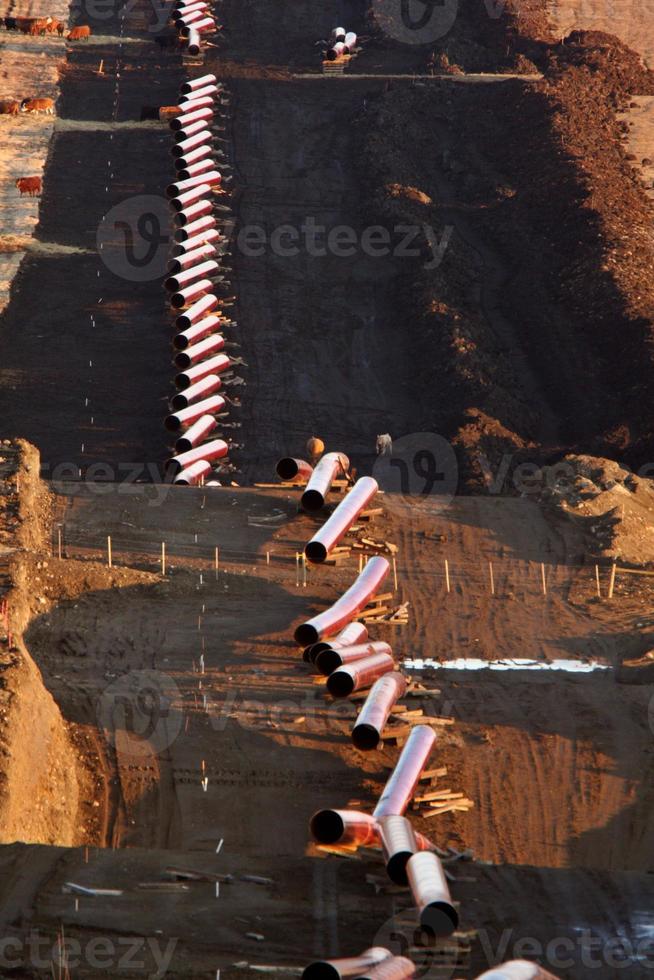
[
  {"x": 197, "y": 351},
  {"x": 192, "y": 475},
  {"x": 375, "y": 712},
  {"x": 196, "y": 433},
  {"x": 216, "y": 449},
  {"x": 341, "y": 520},
  {"x": 358, "y": 675},
  {"x": 517, "y": 970},
  {"x": 186, "y": 22},
  {"x": 202, "y": 166},
  {"x": 327, "y": 661},
  {"x": 338, "y": 34},
  {"x": 336, "y": 51},
  {"x": 402, "y": 783},
  {"x": 395, "y": 968},
  {"x": 205, "y": 26},
  {"x": 205, "y": 102},
  {"x": 210, "y": 177},
  {"x": 350, "y": 42},
  {"x": 197, "y": 115},
  {"x": 346, "y": 608},
  {"x": 193, "y": 43},
  {"x": 192, "y": 156},
  {"x": 182, "y": 149},
  {"x": 190, "y": 8},
  {"x": 184, "y": 278},
  {"x": 399, "y": 843},
  {"x": 189, "y": 214},
  {"x": 189, "y": 258},
  {"x": 297, "y": 470},
  {"x": 187, "y": 416},
  {"x": 187, "y": 338},
  {"x": 202, "y": 238},
  {"x": 346, "y": 966},
  {"x": 213, "y": 365},
  {"x": 196, "y": 312},
  {"x": 190, "y": 197},
  {"x": 196, "y": 391},
  {"x": 344, "y": 827},
  {"x": 431, "y": 894},
  {"x": 195, "y": 83},
  {"x": 331, "y": 466},
  {"x": 199, "y": 93},
  {"x": 190, "y": 129},
  {"x": 353, "y": 633},
  {"x": 187, "y": 295},
  {"x": 193, "y": 228}
]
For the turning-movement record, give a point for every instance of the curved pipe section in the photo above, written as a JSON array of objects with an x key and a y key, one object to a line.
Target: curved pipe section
[
  {"x": 360, "y": 674},
  {"x": 346, "y": 608},
  {"x": 327, "y": 661},
  {"x": 331, "y": 466},
  {"x": 341, "y": 520},
  {"x": 402, "y": 783},
  {"x": 384, "y": 694},
  {"x": 346, "y": 966},
  {"x": 399, "y": 843},
  {"x": 431, "y": 894}
]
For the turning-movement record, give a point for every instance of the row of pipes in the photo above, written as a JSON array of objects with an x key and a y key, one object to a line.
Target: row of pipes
[
  {"x": 339, "y": 647},
  {"x": 193, "y": 21},
  {"x": 195, "y": 277},
  {"x": 341, "y": 42}
]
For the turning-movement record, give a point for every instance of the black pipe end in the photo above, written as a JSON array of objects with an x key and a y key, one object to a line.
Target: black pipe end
[
  {"x": 177, "y": 402},
  {"x": 183, "y": 445},
  {"x": 306, "y": 634},
  {"x": 439, "y": 919},
  {"x": 396, "y": 867},
  {"x": 171, "y": 284},
  {"x": 313, "y": 651},
  {"x": 312, "y": 500},
  {"x": 182, "y": 381},
  {"x": 177, "y": 301},
  {"x": 327, "y": 661},
  {"x": 182, "y": 360},
  {"x": 172, "y": 423},
  {"x": 320, "y": 970},
  {"x": 180, "y": 342},
  {"x": 327, "y": 826},
  {"x": 365, "y": 737},
  {"x": 287, "y": 468},
  {"x": 316, "y": 552},
  {"x": 340, "y": 684}
]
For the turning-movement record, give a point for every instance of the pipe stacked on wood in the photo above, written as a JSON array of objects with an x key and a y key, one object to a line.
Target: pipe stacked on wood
[
  {"x": 193, "y": 21},
  {"x": 194, "y": 272},
  {"x": 341, "y": 43}
]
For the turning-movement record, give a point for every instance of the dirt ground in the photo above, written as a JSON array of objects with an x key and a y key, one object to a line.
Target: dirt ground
[{"x": 498, "y": 348}]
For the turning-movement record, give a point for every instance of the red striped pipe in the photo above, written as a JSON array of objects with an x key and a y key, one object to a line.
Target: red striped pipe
[
  {"x": 194, "y": 228},
  {"x": 431, "y": 894},
  {"x": 212, "y": 178},
  {"x": 329, "y": 467},
  {"x": 291, "y": 469},
  {"x": 341, "y": 520},
  {"x": 374, "y": 714},
  {"x": 327, "y": 661},
  {"x": 197, "y": 115},
  {"x": 190, "y": 8},
  {"x": 204, "y": 238},
  {"x": 196, "y": 168},
  {"x": 216, "y": 449},
  {"x": 187, "y": 21},
  {"x": 181, "y": 279},
  {"x": 195, "y": 433},
  {"x": 213, "y": 365},
  {"x": 192, "y": 212},
  {"x": 187, "y": 338},
  {"x": 204, "y": 26},
  {"x": 187, "y": 416},
  {"x": 192, "y": 143},
  {"x": 346, "y": 608},
  {"x": 206, "y": 386},
  {"x": 199, "y": 93},
  {"x": 189, "y": 258},
  {"x": 190, "y": 293},
  {"x": 190, "y": 197},
  {"x": 402, "y": 782},
  {"x": 196, "y": 312},
  {"x": 399, "y": 843},
  {"x": 193, "y": 474},
  {"x": 192, "y": 156},
  {"x": 195, "y": 83},
  {"x": 353, "y": 633},
  {"x": 359, "y": 675},
  {"x": 194, "y": 353},
  {"x": 191, "y": 129},
  {"x": 205, "y": 102},
  {"x": 193, "y": 43}
]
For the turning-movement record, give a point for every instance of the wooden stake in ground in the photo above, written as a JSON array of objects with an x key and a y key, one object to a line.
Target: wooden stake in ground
[
  {"x": 216, "y": 560},
  {"x": 597, "y": 582},
  {"x": 492, "y": 579},
  {"x": 297, "y": 570},
  {"x": 612, "y": 580},
  {"x": 304, "y": 570},
  {"x": 395, "y": 573},
  {"x": 447, "y": 576},
  {"x": 59, "y": 542},
  {"x": 109, "y": 560},
  {"x": 542, "y": 577},
  {"x": 163, "y": 557}
]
